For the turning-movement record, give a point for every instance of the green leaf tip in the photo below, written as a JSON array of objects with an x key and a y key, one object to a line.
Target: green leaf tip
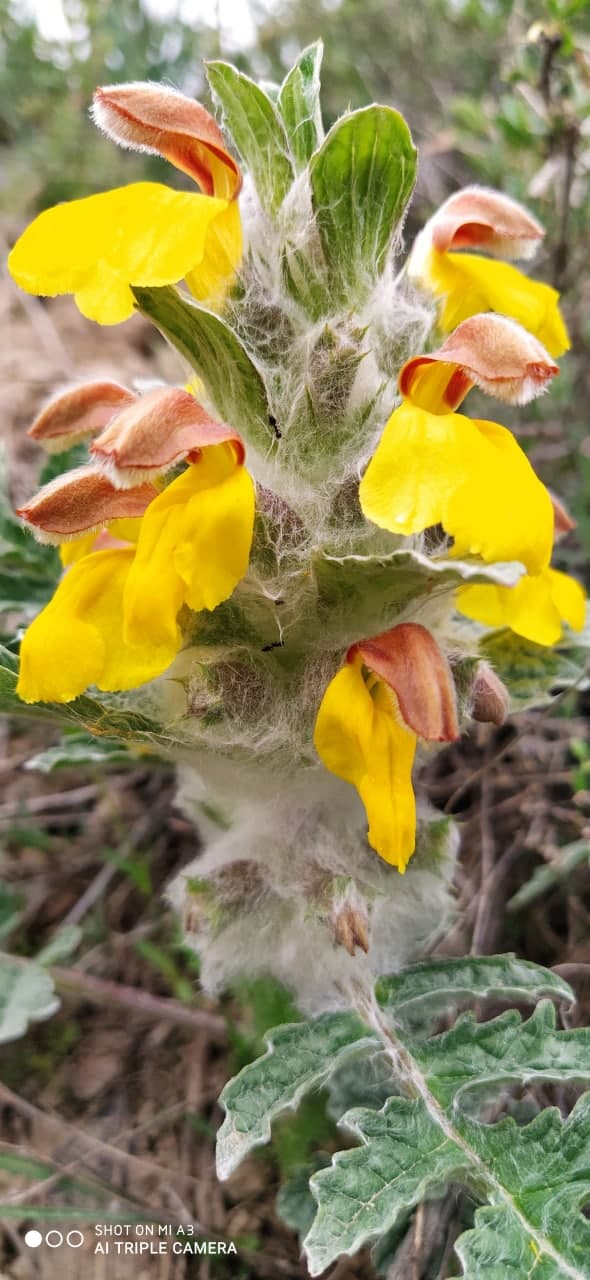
[{"x": 362, "y": 178}]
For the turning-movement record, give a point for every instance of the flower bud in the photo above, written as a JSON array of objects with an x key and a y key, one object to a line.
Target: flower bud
[
  {"x": 490, "y": 698},
  {"x": 480, "y": 218},
  {"x": 160, "y": 429},
  {"x": 79, "y": 502},
  {"x": 489, "y": 351},
  {"x": 350, "y": 928},
  {"x": 78, "y": 412},
  {"x": 563, "y": 521},
  {"x": 409, "y": 660},
  {"x": 162, "y": 121}
]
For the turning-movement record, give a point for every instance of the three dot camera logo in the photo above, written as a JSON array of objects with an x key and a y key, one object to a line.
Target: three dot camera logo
[
  {"x": 126, "y": 1238},
  {"x": 54, "y": 1239}
]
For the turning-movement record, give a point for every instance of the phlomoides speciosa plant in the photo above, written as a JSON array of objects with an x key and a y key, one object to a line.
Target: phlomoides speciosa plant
[{"x": 295, "y": 573}]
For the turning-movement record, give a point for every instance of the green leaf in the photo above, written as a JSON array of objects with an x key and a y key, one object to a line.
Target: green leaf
[
  {"x": 534, "y": 673},
  {"x": 360, "y": 595},
  {"x": 213, "y": 350},
  {"x": 80, "y": 749},
  {"x": 404, "y": 1157},
  {"x": 299, "y": 104},
  {"x": 551, "y": 875},
  {"x": 295, "y": 1204},
  {"x": 299, "y": 1057},
  {"x": 256, "y": 128},
  {"x": 112, "y": 717},
  {"x": 28, "y": 570},
  {"x": 26, "y": 995},
  {"x": 61, "y": 946},
  {"x": 543, "y": 1170},
  {"x": 411, "y": 1149},
  {"x": 474, "y": 1055},
  {"x": 433, "y": 985},
  {"x": 361, "y": 180},
  {"x": 11, "y": 904}
]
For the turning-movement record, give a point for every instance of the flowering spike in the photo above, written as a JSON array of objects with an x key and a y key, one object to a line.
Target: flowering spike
[
  {"x": 480, "y": 218},
  {"x": 159, "y": 430},
  {"x": 78, "y": 412},
  {"x": 80, "y": 501},
  {"x": 409, "y": 660},
  {"x": 489, "y": 351},
  {"x": 163, "y": 121}
]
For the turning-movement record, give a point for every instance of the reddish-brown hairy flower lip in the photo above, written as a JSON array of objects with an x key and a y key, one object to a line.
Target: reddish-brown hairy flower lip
[
  {"x": 160, "y": 429},
  {"x": 478, "y": 217},
  {"x": 81, "y": 501},
  {"x": 516, "y": 357},
  {"x": 409, "y": 660},
  {"x": 563, "y": 521},
  {"x": 209, "y": 136},
  {"x": 65, "y": 414}
]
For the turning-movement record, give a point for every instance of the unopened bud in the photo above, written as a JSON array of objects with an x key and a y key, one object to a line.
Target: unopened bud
[
  {"x": 78, "y": 412},
  {"x": 80, "y": 502},
  {"x": 164, "y": 122},
  {"x": 489, "y": 696},
  {"x": 409, "y": 660},
  {"x": 350, "y": 927},
  {"x": 488, "y": 351},
  {"x": 160, "y": 429},
  {"x": 563, "y": 521}
]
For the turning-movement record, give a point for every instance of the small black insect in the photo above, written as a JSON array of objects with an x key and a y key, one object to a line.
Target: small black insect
[
  {"x": 276, "y": 644},
  {"x": 272, "y": 422}
]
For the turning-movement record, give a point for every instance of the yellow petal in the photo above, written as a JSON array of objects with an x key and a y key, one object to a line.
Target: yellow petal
[
  {"x": 126, "y": 530},
  {"x": 470, "y": 476},
  {"x": 215, "y": 274},
  {"x": 535, "y": 608},
  {"x": 359, "y": 738},
  {"x": 194, "y": 545},
  {"x": 470, "y": 284},
  {"x": 78, "y": 639},
  {"x": 144, "y": 234}
]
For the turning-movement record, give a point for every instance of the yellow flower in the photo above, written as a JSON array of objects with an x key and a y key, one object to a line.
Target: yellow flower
[
  {"x": 393, "y": 689},
  {"x": 470, "y": 476},
  {"x": 146, "y": 234},
  {"x": 479, "y": 218},
  {"x": 469, "y": 283},
  {"x": 78, "y": 639},
  {"x": 98, "y": 247},
  {"x": 535, "y": 608},
  {"x": 193, "y": 546},
  {"x": 361, "y": 738}
]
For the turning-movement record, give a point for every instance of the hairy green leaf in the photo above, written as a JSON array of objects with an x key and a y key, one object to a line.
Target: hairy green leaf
[
  {"x": 411, "y": 1149},
  {"x": 256, "y": 128},
  {"x": 360, "y": 595},
  {"x": 26, "y": 995},
  {"x": 473, "y": 1055},
  {"x": 404, "y": 1156},
  {"x": 433, "y": 985},
  {"x": 532, "y": 672},
  {"x": 299, "y": 104},
  {"x": 542, "y": 1176},
  {"x": 213, "y": 350},
  {"x": 80, "y": 749},
  {"x": 361, "y": 180},
  {"x": 299, "y": 1057}
]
